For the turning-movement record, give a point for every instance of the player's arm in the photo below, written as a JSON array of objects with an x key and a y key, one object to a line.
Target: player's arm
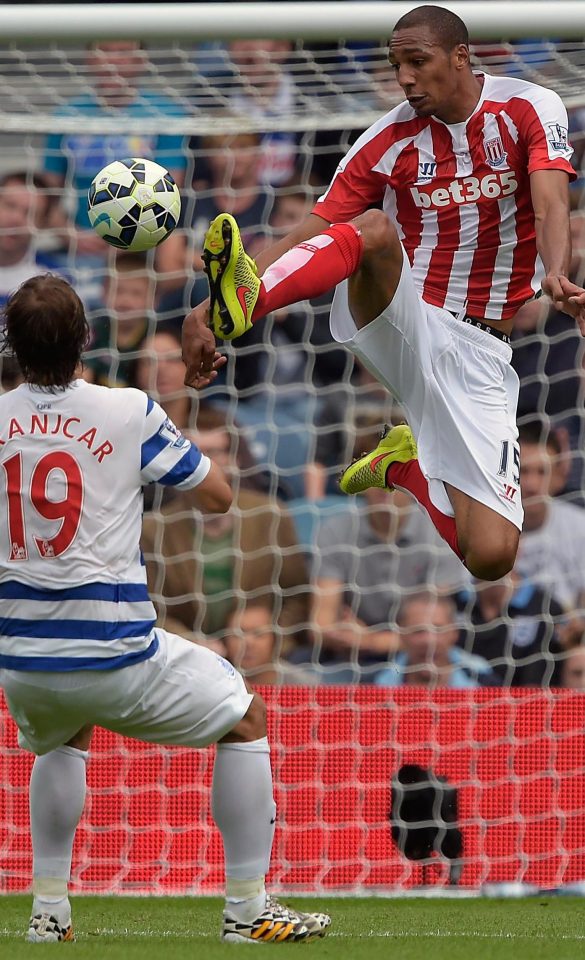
[
  {"x": 213, "y": 494},
  {"x": 169, "y": 458},
  {"x": 201, "y": 358},
  {"x": 550, "y": 200}
]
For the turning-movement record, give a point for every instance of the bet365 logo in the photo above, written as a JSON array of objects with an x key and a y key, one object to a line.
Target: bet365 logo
[{"x": 466, "y": 190}]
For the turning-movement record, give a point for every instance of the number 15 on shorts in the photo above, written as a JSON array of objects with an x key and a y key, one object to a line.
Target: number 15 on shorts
[{"x": 510, "y": 462}]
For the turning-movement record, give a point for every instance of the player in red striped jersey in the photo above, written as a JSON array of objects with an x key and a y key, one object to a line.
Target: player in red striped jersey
[{"x": 472, "y": 174}]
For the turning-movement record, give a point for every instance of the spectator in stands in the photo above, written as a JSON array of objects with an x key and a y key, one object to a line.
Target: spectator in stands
[
  {"x": 548, "y": 358},
  {"x": 233, "y": 162},
  {"x": 117, "y": 338},
  {"x": 198, "y": 565},
  {"x": 291, "y": 205},
  {"x": 550, "y": 553},
  {"x": 280, "y": 367},
  {"x": 160, "y": 372},
  {"x": 265, "y": 91},
  {"x": 25, "y": 204},
  {"x": 115, "y": 69},
  {"x": 514, "y": 626},
  {"x": 428, "y": 655},
  {"x": 348, "y": 412},
  {"x": 573, "y": 667},
  {"x": 254, "y": 647},
  {"x": 364, "y": 560}
]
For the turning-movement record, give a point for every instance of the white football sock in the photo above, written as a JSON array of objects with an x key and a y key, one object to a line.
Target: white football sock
[
  {"x": 57, "y": 797},
  {"x": 243, "y": 808}
]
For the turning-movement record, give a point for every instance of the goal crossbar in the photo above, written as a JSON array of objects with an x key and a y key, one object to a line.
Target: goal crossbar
[{"x": 316, "y": 21}]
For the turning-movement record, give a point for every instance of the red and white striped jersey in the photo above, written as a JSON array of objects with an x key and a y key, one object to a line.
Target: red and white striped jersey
[{"x": 459, "y": 193}]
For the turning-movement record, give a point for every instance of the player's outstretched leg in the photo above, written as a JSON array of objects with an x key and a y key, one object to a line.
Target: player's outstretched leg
[
  {"x": 397, "y": 445},
  {"x": 238, "y": 297},
  {"x": 57, "y": 797},
  {"x": 244, "y": 810},
  {"x": 233, "y": 284}
]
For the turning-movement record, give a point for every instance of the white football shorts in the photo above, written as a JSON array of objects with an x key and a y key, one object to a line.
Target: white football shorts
[
  {"x": 457, "y": 388},
  {"x": 184, "y": 695}
]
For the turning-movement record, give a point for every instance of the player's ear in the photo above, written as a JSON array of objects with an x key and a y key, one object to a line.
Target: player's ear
[{"x": 461, "y": 56}]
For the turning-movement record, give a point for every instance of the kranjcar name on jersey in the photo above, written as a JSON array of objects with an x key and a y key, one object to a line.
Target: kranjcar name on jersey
[
  {"x": 73, "y": 592},
  {"x": 459, "y": 194}
]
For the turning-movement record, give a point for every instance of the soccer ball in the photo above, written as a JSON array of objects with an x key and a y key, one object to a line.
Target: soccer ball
[{"x": 133, "y": 204}]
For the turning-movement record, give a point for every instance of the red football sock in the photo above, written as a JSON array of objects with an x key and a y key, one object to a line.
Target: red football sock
[
  {"x": 410, "y": 476},
  {"x": 310, "y": 269}
]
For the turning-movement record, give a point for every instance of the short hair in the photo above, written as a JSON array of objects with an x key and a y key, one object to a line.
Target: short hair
[
  {"x": 538, "y": 434},
  {"x": 445, "y": 25},
  {"x": 46, "y": 330}
]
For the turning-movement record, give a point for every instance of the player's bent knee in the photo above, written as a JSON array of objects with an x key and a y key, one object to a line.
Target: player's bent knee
[
  {"x": 252, "y": 726},
  {"x": 491, "y": 563},
  {"x": 379, "y": 235}
]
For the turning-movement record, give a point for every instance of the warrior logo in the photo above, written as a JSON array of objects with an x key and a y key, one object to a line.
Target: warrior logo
[{"x": 427, "y": 169}]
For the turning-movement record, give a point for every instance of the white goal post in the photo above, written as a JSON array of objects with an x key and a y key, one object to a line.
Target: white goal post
[
  {"x": 317, "y": 21},
  {"x": 335, "y": 84}
]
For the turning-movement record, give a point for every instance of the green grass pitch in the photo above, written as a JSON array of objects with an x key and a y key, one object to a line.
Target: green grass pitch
[{"x": 124, "y": 928}]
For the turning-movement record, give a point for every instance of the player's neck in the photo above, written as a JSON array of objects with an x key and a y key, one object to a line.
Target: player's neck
[{"x": 460, "y": 108}]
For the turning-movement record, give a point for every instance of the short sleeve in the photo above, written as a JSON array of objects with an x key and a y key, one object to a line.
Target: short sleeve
[
  {"x": 356, "y": 184},
  {"x": 544, "y": 127},
  {"x": 166, "y": 456}
]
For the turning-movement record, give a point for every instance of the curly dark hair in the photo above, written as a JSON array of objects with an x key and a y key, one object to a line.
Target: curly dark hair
[{"x": 46, "y": 330}]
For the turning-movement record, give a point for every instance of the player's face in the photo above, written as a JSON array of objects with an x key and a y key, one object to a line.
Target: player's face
[{"x": 429, "y": 75}]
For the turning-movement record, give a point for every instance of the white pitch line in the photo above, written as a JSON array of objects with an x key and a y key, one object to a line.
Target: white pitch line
[{"x": 371, "y": 934}]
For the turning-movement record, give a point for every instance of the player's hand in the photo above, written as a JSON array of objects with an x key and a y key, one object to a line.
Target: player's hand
[
  {"x": 199, "y": 348},
  {"x": 566, "y": 297}
]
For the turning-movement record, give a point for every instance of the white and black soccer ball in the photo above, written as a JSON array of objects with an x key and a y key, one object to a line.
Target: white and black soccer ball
[{"x": 134, "y": 204}]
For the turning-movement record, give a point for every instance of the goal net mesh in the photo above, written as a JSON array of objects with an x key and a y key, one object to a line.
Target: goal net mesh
[{"x": 258, "y": 131}]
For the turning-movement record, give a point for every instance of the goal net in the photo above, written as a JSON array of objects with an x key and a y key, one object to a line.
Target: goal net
[{"x": 255, "y": 123}]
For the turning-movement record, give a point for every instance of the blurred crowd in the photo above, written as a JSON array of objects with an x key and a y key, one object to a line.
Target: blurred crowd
[{"x": 297, "y": 583}]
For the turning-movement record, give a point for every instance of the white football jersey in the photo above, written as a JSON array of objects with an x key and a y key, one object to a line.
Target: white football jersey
[{"x": 73, "y": 592}]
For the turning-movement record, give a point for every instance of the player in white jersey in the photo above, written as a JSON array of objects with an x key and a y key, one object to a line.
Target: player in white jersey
[
  {"x": 472, "y": 176},
  {"x": 78, "y": 640}
]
